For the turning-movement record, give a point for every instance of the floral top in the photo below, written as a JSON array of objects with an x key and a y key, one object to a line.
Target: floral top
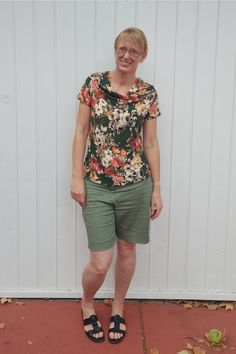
[{"x": 115, "y": 155}]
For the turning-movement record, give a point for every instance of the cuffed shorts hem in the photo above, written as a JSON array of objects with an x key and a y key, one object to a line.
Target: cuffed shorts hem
[
  {"x": 134, "y": 240},
  {"x": 102, "y": 246}
]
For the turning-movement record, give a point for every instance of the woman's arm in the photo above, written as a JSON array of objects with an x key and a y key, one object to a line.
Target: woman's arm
[
  {"x": 78, "y": 150},
  {"x": 152, "y": 152}
]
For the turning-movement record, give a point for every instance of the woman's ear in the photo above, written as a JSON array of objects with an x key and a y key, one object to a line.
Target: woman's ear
[{"x": 144, "y": 56}]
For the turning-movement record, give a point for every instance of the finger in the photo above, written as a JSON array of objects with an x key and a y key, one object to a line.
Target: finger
[
  {"x": 156, "y": 212},
  {"x": 153, "y": 208},
  {"x": 153, "y": 214},
  {"x": 81, "y": 200}
]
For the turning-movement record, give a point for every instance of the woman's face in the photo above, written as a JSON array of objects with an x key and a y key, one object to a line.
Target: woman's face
[{"x": 127, "y": 56}]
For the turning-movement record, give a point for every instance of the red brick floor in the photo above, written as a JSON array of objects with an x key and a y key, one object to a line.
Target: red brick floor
[{"x": 55, "y": 327}]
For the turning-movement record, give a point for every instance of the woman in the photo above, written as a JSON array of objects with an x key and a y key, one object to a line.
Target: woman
[{"x": 118, "y": 184}]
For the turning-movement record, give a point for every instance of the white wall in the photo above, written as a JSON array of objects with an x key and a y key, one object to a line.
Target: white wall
[{"x": 47, "y": 51}]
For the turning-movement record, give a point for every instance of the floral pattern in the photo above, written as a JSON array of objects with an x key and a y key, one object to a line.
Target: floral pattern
[{"x": 115, "y": 155}]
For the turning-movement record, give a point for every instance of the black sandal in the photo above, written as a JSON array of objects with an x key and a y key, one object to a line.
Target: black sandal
[
  {"x": 117, "y": 319},
  {"x": 96, "y": 329}
]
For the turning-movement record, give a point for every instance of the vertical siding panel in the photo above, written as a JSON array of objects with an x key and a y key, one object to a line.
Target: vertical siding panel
[
  {"x": 184, "y": 74},
  {"x": 26, "y": 87},
  {"x": 165, "y": 76},
  {"x": 105, "y": 34},
  {"x": 218, "y": 188},
  {"x": 124, "y": 15},
  {"x": 8, "y": 153},
  {"x": 84, "y": 66},
  {"x": 64, "y": 47},
  {"x": 46, "y": 131},
  {"x": 202, "y": 125},
  {"x": 230, "y": 249}
]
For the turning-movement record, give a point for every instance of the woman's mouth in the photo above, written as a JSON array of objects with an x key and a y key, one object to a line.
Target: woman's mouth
[{"x": 125, "y": 62}]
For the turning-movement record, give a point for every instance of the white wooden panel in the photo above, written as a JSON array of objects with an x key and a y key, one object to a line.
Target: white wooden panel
[
  {"x": 124, "y": 15},
  {"x": 220, "y": 146},
  {"x": 105, "y": 34},
  {"x": 165, "y": 72},
  {"x": 65, "y": 80},
  {"x": 230, "y": 249},
  {"x": 27, "y": 138},
  {"x": 46, "y": 143},
  {"x": 8, "y": 153},
  {"x": 182, "y": 131},
  {"x": 201, "y": 144}
]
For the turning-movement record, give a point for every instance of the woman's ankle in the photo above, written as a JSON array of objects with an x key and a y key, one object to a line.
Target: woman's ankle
[
  {"x": 87, "y": 304},
  {"x": 118, "y": 307}
]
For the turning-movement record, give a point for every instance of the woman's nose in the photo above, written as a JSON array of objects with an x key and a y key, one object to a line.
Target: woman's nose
[{"x": 127, "y": 55}]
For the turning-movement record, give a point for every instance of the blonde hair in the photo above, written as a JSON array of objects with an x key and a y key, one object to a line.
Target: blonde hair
[{"x": 136, "y": 36}]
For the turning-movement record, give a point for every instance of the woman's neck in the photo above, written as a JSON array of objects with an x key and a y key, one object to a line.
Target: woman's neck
[{"x": 121, "y": 79}]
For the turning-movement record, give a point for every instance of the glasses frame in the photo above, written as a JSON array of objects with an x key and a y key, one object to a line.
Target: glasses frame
[{"x": 132, "y": 52}]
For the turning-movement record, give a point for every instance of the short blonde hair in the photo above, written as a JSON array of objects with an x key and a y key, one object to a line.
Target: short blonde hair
[{"x": 136, "y": 36}]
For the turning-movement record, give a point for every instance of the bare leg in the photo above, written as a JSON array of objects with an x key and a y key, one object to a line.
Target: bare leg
[
  {"x": 92, "y": 279},
  {"x": 124, "y": 270}
]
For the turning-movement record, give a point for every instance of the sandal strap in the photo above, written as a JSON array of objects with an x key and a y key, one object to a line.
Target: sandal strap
[
  {"x": 90, "y": 320},
  {"x": 93, "y": 321},
  {"x": 117, "y": 330},
  {"x": 117, "y": 319}
]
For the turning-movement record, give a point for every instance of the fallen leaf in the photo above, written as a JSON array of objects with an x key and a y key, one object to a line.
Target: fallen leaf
[
  {"x": 154, "y": 351},
  {"x": 230, "y": 307},
  {"x": 212, "y": 306},
  {"x": 4, "y": 300},
  {"x": 19, "y": 303},
  {"x": 2, "y": 325},
  {"x": 108, "y": 302},
  {"x": 197, "y": 350},
  {"x": 187, "y": 306}
]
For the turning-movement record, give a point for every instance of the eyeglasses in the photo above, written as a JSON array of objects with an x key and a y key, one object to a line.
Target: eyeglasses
[{"x": 132, "y": 52}]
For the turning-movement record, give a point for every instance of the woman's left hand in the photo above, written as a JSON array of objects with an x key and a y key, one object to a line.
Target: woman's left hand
[{"x": 156, "y": 205}]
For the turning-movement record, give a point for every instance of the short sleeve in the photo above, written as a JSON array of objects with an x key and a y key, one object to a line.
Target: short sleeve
[
  {"x": 153, "y": 103},
  {"x": 85, "y": 92}
]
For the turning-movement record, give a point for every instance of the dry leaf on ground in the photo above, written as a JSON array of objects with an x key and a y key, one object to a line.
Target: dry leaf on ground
[
  {"x": 19, "y": 303},
  {"x": 188, "y": 305},
  {"x": 4, "y": 300},
  {"x": 108, "y": 302},
  {"x": 154, "y": 351},
  {"x": 211, "y": 306},
  {"x": 195, "y": 350}
]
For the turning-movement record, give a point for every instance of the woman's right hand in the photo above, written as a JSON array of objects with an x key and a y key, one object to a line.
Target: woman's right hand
[{"x": 78, "y": 192}]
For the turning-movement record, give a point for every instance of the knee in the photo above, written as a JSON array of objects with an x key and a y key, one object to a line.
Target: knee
[
  {"x": 125, "y": 248},
  {"x": 101, "y": 266}
]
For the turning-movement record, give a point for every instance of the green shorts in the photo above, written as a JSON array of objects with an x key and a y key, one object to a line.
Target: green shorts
[{"x": 117, "y": 212}]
